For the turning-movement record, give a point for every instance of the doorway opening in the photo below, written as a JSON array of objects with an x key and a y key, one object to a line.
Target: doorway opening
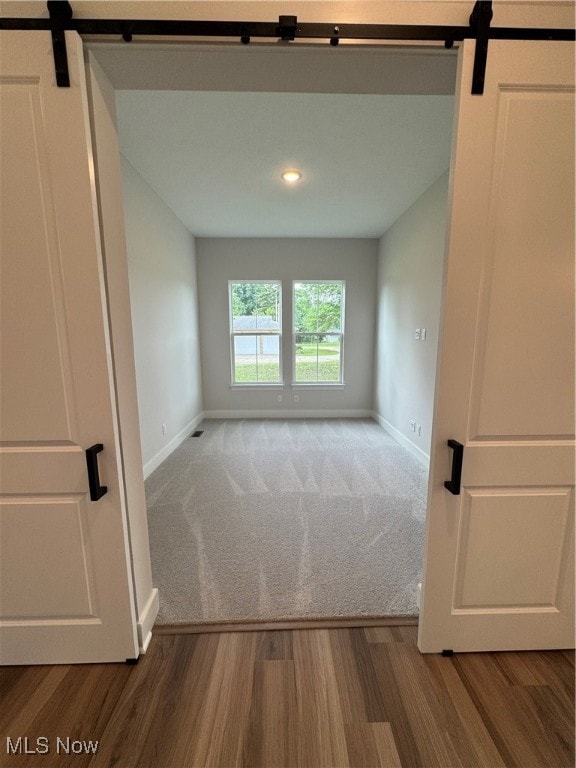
[{"x": 353, "y": 117}]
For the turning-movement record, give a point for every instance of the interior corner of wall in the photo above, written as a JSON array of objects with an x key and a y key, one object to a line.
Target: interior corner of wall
[
  {"x": 164, "y": 452},
  {"x": 411, "y": 447}
]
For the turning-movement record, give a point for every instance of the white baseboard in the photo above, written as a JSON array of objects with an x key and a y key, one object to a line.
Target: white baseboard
[
  {"x": 415, "y": 450},
  {"x": 293, "y": 414},
  {"x": 163, "y": 454},
  {"x": 146, "y": 620}
]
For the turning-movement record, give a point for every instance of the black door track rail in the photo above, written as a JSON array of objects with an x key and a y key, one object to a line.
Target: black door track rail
[{"x": 286, "y": 29}]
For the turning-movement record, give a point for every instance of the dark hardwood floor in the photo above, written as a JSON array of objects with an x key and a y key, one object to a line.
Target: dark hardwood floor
[{"x": 306, "y": 697}]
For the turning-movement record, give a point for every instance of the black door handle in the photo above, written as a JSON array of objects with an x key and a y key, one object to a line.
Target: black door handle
[
  {"x": 453, "y": 485},
  {"x": 96, "y": 490}
]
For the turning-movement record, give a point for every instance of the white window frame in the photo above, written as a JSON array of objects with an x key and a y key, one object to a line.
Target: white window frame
[
  {"x": 233, "y": 334},
  {"x": 295, "y": 333}
]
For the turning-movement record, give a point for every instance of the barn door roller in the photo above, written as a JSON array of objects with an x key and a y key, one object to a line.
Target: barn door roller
[{"x": 286, "y": 30}]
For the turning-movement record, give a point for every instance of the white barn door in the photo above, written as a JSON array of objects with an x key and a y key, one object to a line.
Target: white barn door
[
  {"x": 499, "y": 558},
  {"x": 65, "y": 581}
]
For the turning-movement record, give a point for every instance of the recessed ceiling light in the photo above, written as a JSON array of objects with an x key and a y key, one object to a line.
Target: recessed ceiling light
[{"x": 291, "y": 176}]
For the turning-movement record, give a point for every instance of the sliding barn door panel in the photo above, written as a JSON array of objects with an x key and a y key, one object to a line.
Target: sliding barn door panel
[
  {"x": 499, "y": 561},
  {"x": 65, "y": 579}
]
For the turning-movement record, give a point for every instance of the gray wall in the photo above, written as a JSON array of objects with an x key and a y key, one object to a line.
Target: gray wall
[
  {"x": 163, "y": 293},
  {"x": 222, "y": 259},
  {"x": 410, "y": 270}
]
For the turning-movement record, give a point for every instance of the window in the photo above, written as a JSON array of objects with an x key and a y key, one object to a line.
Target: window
[
  {"x": 318, "y": 331},
  {"x": 255, "y": 331}
]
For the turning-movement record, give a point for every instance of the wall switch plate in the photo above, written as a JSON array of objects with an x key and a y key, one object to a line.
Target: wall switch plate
[
  {"x": 279, "y": 398},
  {"x": 422, "y": 334},
  {"x": 417, "y": 334},
  {"x": 413, "y": 426},
  {"x": 163, "y": 429},
  {"x": 296, "y": 398},
  {"x": 419, "y": 429}
]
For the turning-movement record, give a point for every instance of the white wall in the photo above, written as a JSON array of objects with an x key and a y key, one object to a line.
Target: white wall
[
  {"x": 163, "y": 291},
  {"x": 222, "y": 259},
  {"x": 410, "y": 269}
]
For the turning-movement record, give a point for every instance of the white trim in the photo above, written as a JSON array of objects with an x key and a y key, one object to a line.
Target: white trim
[
  {"x": 414, "y": 449},
  {"x": 293, "y": 414},
  {"x": 163, "y": 454},
  {"x": 320, "y": 385},
  {"x": 146, "y": 620},
  {"x": 257, "y": 386}
]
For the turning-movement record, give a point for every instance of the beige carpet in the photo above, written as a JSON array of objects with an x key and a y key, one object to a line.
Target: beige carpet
[{"x": 281, "y": 519}]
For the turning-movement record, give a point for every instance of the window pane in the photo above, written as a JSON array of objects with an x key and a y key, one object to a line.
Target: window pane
[
  {"x": 317, "y": 357},
  {"x": 318, "y": 327},
  {"x": 267, "y": 299},
  {"x": 255, "y": 306},
  {"x": 329, "y": 359},
  {"x": 329, "y": 312},
  {"x": 306, "y": 357},
  {"x": 256, "y": 359},
  {"x": 305, "y": 307},
  {"x": 318, "y": 307}
]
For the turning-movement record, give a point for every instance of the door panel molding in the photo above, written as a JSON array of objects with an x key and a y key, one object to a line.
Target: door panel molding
[{"x": 492, "y": 575}]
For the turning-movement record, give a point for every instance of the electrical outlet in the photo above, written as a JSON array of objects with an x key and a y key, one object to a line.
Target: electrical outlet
[
  {"x": 413, "y": 426},
  {"x": 163, "y": 429},
  {"x": 279, "y": 398},
  {"x": 296, "y": 398}
]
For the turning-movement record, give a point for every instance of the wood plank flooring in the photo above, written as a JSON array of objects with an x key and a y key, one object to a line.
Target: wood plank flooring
[{"x": 308, "y": 697}]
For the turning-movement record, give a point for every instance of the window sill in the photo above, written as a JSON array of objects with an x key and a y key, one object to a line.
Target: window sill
[
  {"x": 255, "y": 385},
  {"x": 320, "y": 385}
]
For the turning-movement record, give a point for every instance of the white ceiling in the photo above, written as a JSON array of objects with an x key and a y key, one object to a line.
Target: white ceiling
[
  {"x": 211, "y": 128},
  {"x": 216, "y": 158}
]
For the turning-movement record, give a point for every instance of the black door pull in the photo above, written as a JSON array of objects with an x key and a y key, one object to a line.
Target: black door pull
[
  {"x": 96, "y": 490},
  {"x": 453, "y": 485}
]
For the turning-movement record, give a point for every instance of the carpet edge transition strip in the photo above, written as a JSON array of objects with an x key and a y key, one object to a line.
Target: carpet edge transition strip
[{"x": 267, "y": 626}]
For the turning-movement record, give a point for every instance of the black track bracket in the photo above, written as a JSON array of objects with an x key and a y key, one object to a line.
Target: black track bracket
[
  {"x": 60, "y": 14},
  {"x": 287, "y": 27},
  {"x": 480, "y": 25},
  {"x": 448, "y": 652}
]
